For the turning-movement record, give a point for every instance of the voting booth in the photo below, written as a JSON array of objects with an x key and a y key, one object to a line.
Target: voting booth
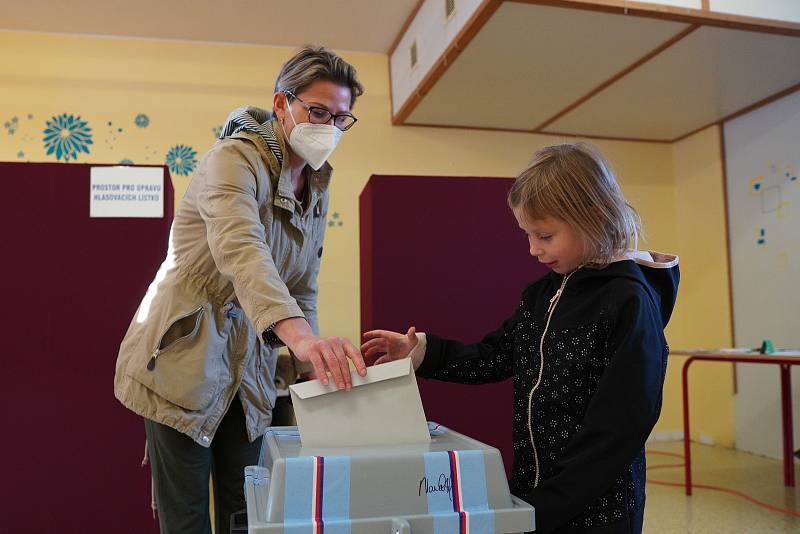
[
  {"x": 365, "y": 462},
  {"x": 81, "y": 245},
  {"x": 469, "y": 266}
]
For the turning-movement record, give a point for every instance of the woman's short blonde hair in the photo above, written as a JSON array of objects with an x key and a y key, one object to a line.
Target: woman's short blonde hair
[
  {"x": 315, "y": 63},
  {"x": 574, "y": 183}
]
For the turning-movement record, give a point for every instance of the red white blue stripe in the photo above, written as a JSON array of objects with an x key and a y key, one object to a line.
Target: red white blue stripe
[
  {"x": 456, "y": 492},
  {"x": 317, "y": 495},
  {"x": 458, "y": 498}
]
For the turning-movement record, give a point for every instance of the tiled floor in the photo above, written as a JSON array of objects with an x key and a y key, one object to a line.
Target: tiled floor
[{"x": 669, "y": 510}]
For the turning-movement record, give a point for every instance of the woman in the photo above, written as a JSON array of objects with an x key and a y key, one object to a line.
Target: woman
[{"x": 239, "y": 280}]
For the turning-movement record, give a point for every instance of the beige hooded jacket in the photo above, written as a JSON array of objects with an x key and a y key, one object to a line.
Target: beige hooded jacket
[{"x": 243, "y": 254}]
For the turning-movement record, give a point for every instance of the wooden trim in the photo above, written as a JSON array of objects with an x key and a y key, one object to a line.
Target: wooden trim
[
  {"x": 531, "y": 132},
  {"x": 403, "y": 29},
  {"x": 697, "y": 130},
  {"x": 752, "y": 107},
  {"x": 460, "y": 127},
  {"x": 721, "y": 130},
  {"x": 391, "y": 84},
  {"x": 616, "y": 77},
  {"x": 604, "y": 137},
  {"x": 677, "y": 14},
  {"x": 471, "y": 28},
  {"x": 704, "y": 5}
]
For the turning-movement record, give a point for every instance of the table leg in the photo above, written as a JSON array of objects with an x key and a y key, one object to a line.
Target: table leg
[
  {"x": 687, "y": 449},
  {"x": 788, "y": 429}
]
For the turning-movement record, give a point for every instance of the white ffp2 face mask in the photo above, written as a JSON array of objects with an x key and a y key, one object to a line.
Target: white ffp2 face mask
[{"x": 313, "y": 142}]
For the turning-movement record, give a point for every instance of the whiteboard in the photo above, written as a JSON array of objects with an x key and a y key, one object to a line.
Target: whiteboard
[{"x": 762, "y": 157}]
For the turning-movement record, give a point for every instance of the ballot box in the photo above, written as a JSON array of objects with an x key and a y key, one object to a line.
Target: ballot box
[{"x": 448, "y": 484}]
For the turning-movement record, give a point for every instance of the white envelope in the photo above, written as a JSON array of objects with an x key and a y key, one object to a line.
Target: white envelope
[{"x": 383, "y": 408}]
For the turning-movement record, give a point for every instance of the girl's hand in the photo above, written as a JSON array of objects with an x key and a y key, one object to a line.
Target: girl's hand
[{"x": 383, "y": 346}]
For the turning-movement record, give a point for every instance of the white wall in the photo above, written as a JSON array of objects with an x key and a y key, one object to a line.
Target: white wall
[
  {"x": 763, "y": 160},
  {"x": 788, "y": 10},
  {"x": 433, "y": 32}
]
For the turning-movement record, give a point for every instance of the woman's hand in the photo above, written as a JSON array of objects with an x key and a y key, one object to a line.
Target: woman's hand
[
  {"x": 385, "y": 346},
  {"x": 326, "y": 354},
  {"x": 330, "y": 354}
]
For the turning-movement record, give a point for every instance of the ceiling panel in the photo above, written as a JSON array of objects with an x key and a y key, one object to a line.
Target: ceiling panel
[
  {"x": 711, "y": 73},
  {"x": 357, "y": 25},
  {"x": 530, "y": 61}
]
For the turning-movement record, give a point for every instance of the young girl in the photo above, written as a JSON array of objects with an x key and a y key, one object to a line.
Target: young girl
[{"x": 586, "y": 347}]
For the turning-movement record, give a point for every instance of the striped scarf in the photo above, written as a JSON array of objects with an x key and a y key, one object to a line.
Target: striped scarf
[{"x": 258, "y": 121}]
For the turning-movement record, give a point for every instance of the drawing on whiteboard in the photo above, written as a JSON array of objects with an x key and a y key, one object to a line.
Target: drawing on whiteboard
[
  {"x": 773, "y": 189},
  {"x": 770, "y": 190},
  {"x": 771, "y": 199},
  {"x": 756, "y": 184}
]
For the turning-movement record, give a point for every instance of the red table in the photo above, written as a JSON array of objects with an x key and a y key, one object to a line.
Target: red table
[{"x": 785, "y": 359}]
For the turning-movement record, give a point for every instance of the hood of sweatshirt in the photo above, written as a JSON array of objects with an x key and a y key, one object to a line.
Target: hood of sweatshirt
[{"x": 657, "y": 272}]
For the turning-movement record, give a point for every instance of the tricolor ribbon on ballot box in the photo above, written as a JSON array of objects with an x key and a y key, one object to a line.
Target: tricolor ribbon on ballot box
[
  {"x": 455, "y": 486},
  {"x": 317, "y": 495}
]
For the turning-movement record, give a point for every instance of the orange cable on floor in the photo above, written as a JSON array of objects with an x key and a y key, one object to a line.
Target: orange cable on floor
[{"x": 709, "y": 487}]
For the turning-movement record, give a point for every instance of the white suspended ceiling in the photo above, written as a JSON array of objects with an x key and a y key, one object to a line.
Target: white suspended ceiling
[
  {"x": 355, "y": 25},
  {"x": 532, "y": 66}
]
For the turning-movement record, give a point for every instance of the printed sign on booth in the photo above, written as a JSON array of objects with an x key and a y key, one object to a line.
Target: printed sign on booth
[{"x": 126, "y": 192}]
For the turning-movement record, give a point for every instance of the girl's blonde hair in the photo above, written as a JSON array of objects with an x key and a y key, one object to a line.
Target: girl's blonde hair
[{"x": 573, "y": 182}]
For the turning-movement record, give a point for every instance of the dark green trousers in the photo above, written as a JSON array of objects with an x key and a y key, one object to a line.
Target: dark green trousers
[{"x": 181, "y": 470}]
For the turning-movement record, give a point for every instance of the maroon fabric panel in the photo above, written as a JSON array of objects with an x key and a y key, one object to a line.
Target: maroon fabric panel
[
  {"x": 71, "y": 452},
  {"x": 446, "y": 255}
]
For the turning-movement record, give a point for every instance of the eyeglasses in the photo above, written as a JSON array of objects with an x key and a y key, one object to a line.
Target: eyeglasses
[{"x": 318, "y": 115}]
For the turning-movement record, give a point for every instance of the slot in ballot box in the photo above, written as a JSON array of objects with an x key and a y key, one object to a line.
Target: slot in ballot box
[{"x": 450, "y": 484}]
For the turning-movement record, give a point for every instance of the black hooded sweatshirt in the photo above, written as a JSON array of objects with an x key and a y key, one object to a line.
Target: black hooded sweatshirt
[{"x": 594, "y": 386}]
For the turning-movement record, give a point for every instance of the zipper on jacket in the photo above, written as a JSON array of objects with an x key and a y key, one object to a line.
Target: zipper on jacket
[
  {"x": 151, "y": 364},
  {"x": 551, "y": 308}
]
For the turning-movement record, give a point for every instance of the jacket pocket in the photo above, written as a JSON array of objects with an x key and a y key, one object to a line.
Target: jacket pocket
[
  {"x": 267, "y": 359},
  {"x": 184, "y": 367}
]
